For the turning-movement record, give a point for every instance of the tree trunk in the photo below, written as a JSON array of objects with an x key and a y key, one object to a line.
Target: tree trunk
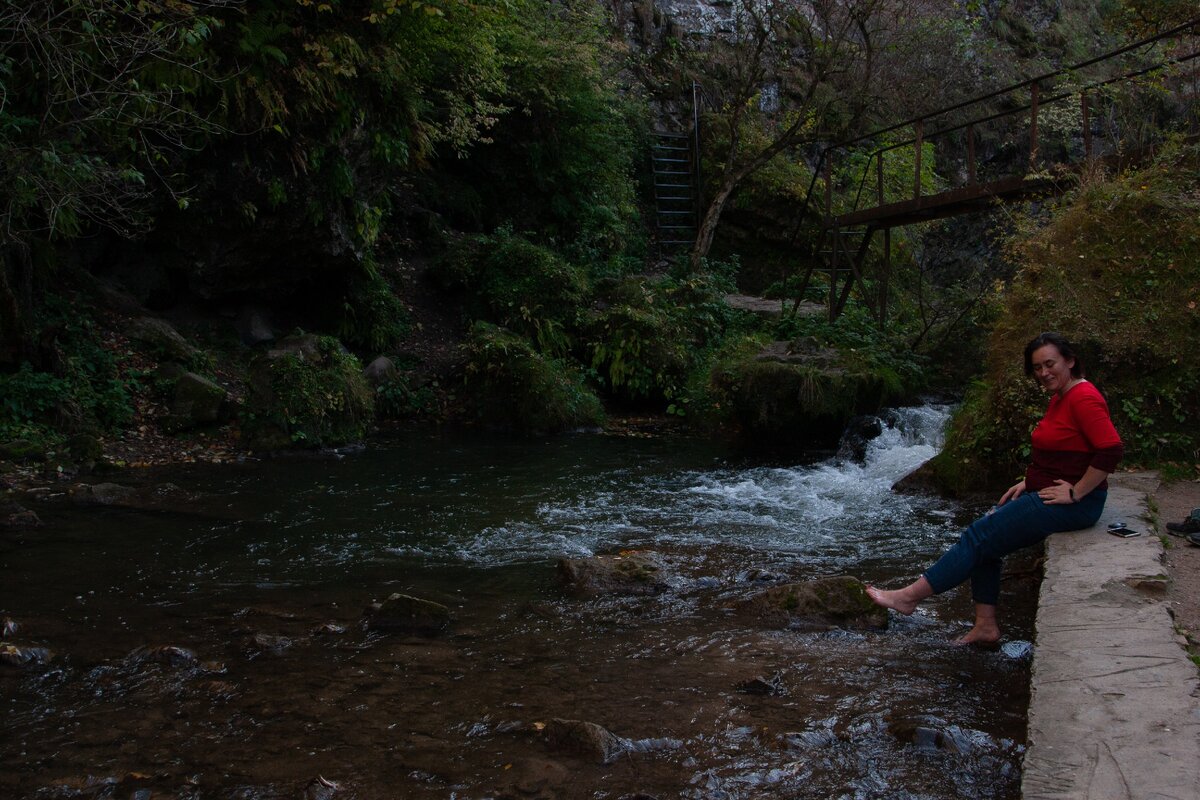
[{"x": 708, "y": 226}]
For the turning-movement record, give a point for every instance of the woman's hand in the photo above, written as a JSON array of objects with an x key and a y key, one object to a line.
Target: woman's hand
[
  {"x": 1013, "y": 493},
  {"x": 1058, "y": 494}
]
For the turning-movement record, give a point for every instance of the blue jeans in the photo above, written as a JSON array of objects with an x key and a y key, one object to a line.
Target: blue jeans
[{"x": 1016, "y": 524}]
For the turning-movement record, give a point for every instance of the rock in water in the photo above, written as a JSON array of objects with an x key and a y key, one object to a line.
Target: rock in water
[
  {"x": 17, "y": 656},
  {"x": 585, "y": 739},
  {"x": 321, "y": 788},
  {"x": 15, "y": 516},
  {"x": 166, "y": 654},
  {"x": 402, "y": 613},
  {"x": 625, "y": 573},
  {"x": 162, "y": 497},
  {"x": 839, "y": 602}
]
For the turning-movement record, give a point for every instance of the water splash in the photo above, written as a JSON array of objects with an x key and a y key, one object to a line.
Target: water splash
[{"x": 831, "y": 513}]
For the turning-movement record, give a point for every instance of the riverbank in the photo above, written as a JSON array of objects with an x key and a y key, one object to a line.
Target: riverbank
[{"x": 1115, "y": 701}]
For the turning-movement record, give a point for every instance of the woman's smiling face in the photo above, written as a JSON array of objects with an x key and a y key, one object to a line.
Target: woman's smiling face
[{"x": 1051, "y": 369}]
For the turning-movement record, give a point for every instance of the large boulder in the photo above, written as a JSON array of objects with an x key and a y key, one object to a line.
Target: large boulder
[
  {"x": 405, "y": 614},
  {"x": 162, "y": 339},
  {"x": 630, "y": 573},
  {"x": 197, "y": 401},
  {"x": 254, "y": 327},
  {"x": 837, "y": 602},
  {"x": 586, "y": 739},
  {"x": 380, "y": 371}
]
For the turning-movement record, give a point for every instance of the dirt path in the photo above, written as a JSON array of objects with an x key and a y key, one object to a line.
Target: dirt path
[{"x": 1173, "y": 503}]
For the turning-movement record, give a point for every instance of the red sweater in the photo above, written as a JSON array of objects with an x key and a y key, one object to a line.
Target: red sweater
[{"x": 1076, "y": 433}]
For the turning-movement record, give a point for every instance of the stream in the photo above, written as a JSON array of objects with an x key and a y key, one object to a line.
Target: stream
[{"x": 219, "y": 651}]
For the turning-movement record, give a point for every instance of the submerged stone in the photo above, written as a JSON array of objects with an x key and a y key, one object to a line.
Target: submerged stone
[
  {"x": 632, "y": 573},
  {"x": 166, "y": 654},
  {"x": 15, "y": 516},
  {"x": 839, "y": 602},
  {"x": 585, "y": 739},
  {"x": 405, "y": 614},
  {"x": 761, "y": 685},
  {"x": 162, "y": 497}
]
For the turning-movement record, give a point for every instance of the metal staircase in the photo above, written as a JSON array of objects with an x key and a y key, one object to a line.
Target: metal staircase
[{"x": 676, "y": 199}]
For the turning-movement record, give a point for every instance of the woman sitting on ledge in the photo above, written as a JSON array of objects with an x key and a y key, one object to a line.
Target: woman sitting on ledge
[{"x": 1075, "y": 446}]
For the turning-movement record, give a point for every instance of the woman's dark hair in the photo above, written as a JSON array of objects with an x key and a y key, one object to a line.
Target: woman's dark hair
[{"x": 1064, "y": 348}]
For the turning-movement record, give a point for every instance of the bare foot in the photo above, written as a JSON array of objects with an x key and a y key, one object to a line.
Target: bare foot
[
  {"x": 896, "y": 599},
  {"x": 984, "y": 636}
]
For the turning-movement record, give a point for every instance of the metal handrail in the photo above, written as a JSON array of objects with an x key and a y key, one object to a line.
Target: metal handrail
[
  {"x": 845, "y": 144},
  {"x": 825, "y": 156}
]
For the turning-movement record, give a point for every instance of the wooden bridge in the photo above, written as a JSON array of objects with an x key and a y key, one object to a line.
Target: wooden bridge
[{"x": 847, "y": 227}]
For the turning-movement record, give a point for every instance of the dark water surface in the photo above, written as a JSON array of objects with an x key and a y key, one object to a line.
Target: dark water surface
[{"x": 266, "y": 584}]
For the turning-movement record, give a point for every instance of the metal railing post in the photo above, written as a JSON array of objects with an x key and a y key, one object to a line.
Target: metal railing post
[
  {"x": 1033, "y": 125},
  {"x": 919, "y": 145}
]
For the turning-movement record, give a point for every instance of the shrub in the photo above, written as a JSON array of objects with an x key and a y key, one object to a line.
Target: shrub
[
  {"x": 308, "y": 392},
  {"x": 519, "y": 285},
  {"x": 86, "y": 393},
  {"x": 654, "y": 332},
  {"x": 511, "y": 385},
  {"x": 373, "y": 318}
]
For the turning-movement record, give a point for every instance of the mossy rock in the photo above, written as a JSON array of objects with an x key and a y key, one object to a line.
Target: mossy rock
[
  {"x": 800, "y": 398},
  {"x": 308, "y": 392},
  {"x": 629, "y": 573},
  {"x": 162, "y": 339},
  {"x": 838, "y": 602}
]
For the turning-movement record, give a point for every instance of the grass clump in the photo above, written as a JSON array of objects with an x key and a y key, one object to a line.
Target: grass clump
[{"x": 511, "y": 385}]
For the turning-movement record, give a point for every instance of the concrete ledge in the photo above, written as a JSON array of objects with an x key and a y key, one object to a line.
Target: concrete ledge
[{"x": 1115, "y": 709}]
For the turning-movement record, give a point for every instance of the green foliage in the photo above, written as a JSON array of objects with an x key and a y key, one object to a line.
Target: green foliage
[
  {"x": 373, "y": 317},
  {"x": 1117, "y": 271},
  {"x": 563, "y": 159},
  {"x": 399, "y": 398},
  {"x": 312, "y": 395},
  {"x": 863, "y": 346},
  {"x": 651, "y": 333},
  {"x": 518, "y": 285},
  {"x": 86, "y": 393},
  {"x": 511, "y": 385},
  {"x": 98, "y": 96}
]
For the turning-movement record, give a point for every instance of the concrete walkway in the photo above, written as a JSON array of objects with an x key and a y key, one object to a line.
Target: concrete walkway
[{"x": 1115, "y": 711}]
